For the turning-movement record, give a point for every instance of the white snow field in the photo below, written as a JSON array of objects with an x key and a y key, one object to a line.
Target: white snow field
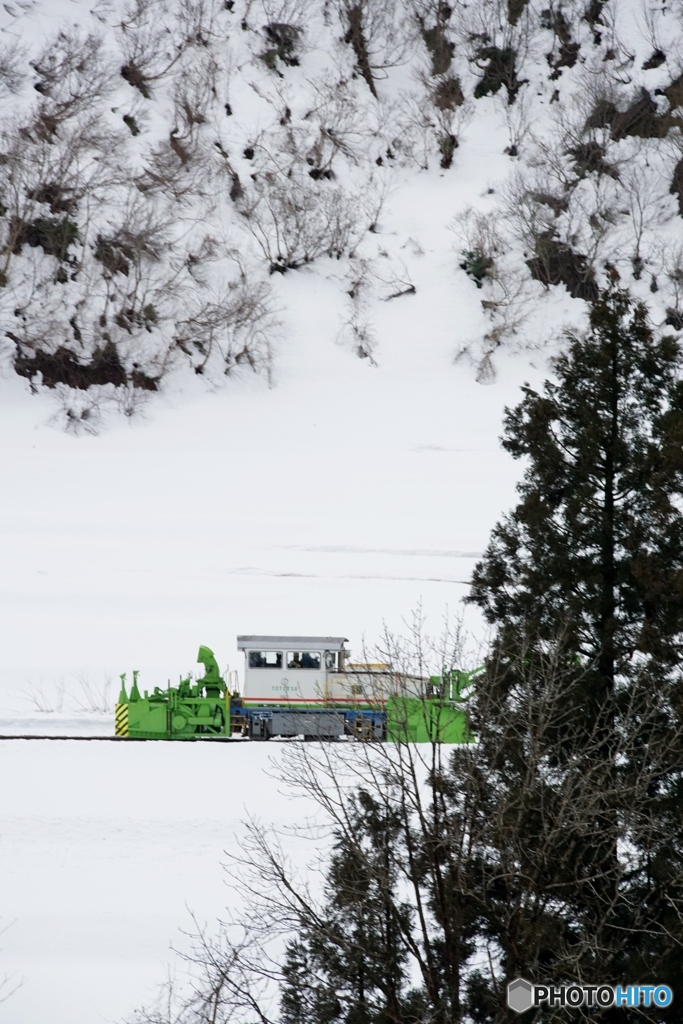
[{"x": 104, "y": 851}]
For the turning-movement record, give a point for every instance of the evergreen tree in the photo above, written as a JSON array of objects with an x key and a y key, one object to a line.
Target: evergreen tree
[
  {"x": 595, "y": 546},
  {"x": 347, "y": 966},
  {"x": 580, "y": 761}
]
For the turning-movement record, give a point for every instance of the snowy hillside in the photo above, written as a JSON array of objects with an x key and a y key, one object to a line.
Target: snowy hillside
[
  {"x": 269, "y": 274},
  {"x": 164, "y": 160}
]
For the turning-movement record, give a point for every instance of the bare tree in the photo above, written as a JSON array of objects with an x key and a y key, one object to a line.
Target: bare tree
[
  {"x": 294, "y": 220},
  {"x": 9, "y": 983},
  {"x": 74, "y": 71},
  {"x": 156, "y": 34},
  {"x": 506, "y": 292},
  {"x": 12, "y": 68},
  {"x": 230, "y": 329},
  {"x": 648, "y": 211},
  {"x": 377, "y": 33}
]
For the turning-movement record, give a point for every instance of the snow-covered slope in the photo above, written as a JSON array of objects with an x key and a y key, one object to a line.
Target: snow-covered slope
[{"x": 162, "y": 159}]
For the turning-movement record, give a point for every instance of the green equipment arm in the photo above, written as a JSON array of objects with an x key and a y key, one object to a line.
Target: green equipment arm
[
  {"x": 212, "y": 672},
  {"x": 212, "y": 679}
]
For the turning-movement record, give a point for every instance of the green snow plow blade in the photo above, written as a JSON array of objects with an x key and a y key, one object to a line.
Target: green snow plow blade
[
  {"x": 412, "y": 720},
  {"x": 187, "y": 711},
  {"x": 439, "y": 718}
]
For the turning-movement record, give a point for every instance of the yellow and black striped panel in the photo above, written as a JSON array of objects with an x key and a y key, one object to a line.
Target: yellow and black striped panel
[{"x": 122, "y": 720}]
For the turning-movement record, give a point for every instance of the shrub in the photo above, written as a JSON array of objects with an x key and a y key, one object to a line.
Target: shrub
[
  {"x": 448, "y": 144},
  {"x": 52, "y": 235},
  {"x": 62, "y": 367},
  {"x": 588, "y": 157},
  {"x": 568, "y": 50},
  {"x": 677, "y": 185},
  {"x": 135, "y": 77},
  {"x": 114, "y": 256},
  {"x": 448, "y": 94},
  {"x": 55, "y": 196},
  {"x": 476, "y": 265},
  {"x": 515, "y": 10},
  {"x": 131, "y": 123},
  {"x": 284, "y": 39},
  {"x": 556, "y": 262},
  {"x": 655, "y": 60},
  {"x": 499, "y": 71},
  {"x": 130, "y": 318},
  {"x": 143, "y": 381},
  {"x": 641, "y": 118},
  {"x": 440, "y": 48}
]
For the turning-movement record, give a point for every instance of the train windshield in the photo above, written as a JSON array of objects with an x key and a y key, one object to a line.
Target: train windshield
[
  {"x": 265, "y": 659},
  {"x": 303, "y": 659}
]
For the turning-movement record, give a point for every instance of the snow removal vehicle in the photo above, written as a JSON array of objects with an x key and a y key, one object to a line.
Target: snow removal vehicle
[{"x": 299, "y": 686}]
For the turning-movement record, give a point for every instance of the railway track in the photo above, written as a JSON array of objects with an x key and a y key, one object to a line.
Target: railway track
[{"x": 120, "y": 739}]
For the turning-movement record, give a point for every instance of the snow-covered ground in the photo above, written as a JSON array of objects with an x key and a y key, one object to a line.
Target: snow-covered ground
[{"x": 106, "y": 851}]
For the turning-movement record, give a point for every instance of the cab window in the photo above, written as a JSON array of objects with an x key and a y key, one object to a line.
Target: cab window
[
  {"x": 265, "y": 659},
  {"x": 331, "y": 661},
  {"x": 303, "y": 659}
]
